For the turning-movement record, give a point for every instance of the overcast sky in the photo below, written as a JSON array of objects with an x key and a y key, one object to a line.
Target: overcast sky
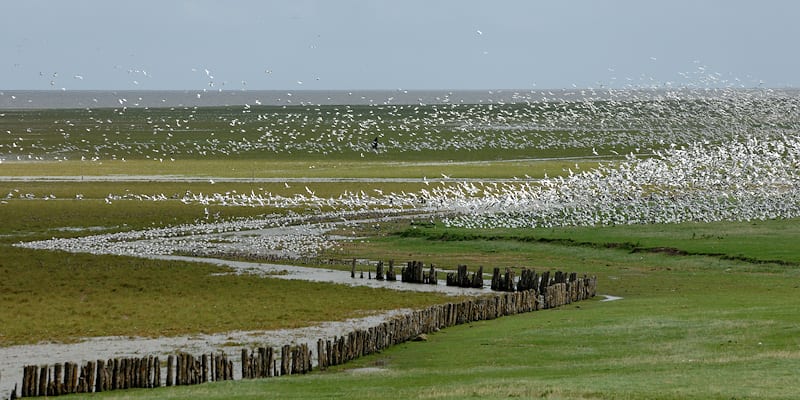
[{"x": 408, "y": 44}]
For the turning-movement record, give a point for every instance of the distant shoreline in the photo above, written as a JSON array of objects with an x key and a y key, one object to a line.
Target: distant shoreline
[{"x": 70, "y": 99}]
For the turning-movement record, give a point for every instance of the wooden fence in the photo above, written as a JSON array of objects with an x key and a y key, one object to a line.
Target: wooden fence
[{"x": 536, "y": 293}]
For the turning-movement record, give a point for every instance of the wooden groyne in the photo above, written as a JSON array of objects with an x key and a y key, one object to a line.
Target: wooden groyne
[
  {"x": 461, "y": 278},
  {"x": 124, "y": 373},
  {"x": 533, "y": 292},
  {"x": 414, "y": 272}
]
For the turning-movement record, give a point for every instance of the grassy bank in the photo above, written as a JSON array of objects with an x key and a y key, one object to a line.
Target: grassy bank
[
  {"x": 770, "y": 241},
  {"x": 53, "y": 296}
]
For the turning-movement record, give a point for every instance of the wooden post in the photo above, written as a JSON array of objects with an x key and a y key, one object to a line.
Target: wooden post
[
  {"x": 285, "y": 360},
  {"x": 68, "y": 372},
  {"x": 391, "y": 275},
  {"x": 100, "y": 377},
  {"x": 145, "y": 370},
  {"x": 126, "y": 367},
  {"x": 179, "y": 370},
  {"x": 544, "y": 282},
  {"x": 496, "y": 278},
  {"x": 509, "y": 280},
  {"x": 262, "y": 362},
  {"x": 328, "y": 354},
  {"x": 58, "y": 383},
  {"x": 134, "y": 365},
  {"x": 26, "y": 381},
  {"x": 379, "y": 271},
  {"x": 34, "y": 384},
  {"x": 215, "y": 367},
  {"x": 75, "y": 375},
  {"x": 294, "y": 368},
  {"x": 432, "y": 276},
  {"x": 270, "y": 362},
  {"x": 245, "y": 365},
  {"x": 188, "y": 369},
  {"x": 477, "y": 279},
  {"x": 321, "y": 354},
  {"x": 115, "y": 375},
  {"x": 170, "y": 370},
  {"x": 122, "y": 374},
  {"x": 212, "y": 367},
  {"x": 90, "y": 375},
  {"x": 156, "y": 372},
  {"x": 309, "y": 356},
  {"x": 155, "y": 369},
  {"x": 139, "y": 368}
]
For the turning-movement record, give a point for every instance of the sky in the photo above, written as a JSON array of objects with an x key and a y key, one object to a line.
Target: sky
[{"x": 409, "y": 44}]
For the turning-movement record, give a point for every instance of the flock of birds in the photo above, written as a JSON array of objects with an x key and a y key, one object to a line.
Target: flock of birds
[
  {"x": 288, "y": 236},
  {"x": 752, "y": 179},
  {"x": 713, "y": 155},
  {"x": 605, "y": 120}
]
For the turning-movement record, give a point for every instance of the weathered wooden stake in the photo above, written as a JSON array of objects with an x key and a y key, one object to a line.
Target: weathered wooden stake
[
  {"x": 391, "y": 275},
  {"x": 170, "y": 370},
  {"x": 379, "y": 271}
]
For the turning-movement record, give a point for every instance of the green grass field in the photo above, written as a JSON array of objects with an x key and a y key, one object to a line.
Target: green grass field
[
  {"x": 708, "y": 311},
  {"x": 697, "y": 327}
]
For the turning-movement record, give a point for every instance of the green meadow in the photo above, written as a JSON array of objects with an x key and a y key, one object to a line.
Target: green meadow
[
  {"x": 707, "y": 310},
  {"x": 687, "y": 326}
]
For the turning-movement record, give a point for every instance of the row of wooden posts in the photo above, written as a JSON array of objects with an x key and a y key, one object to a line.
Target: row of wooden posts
[
  {"x": 123, "y": 373},
  {"x": 461, "y": 278},
  {"x": 263, "y": 362},
  {"x": 415, "y": 272}
]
